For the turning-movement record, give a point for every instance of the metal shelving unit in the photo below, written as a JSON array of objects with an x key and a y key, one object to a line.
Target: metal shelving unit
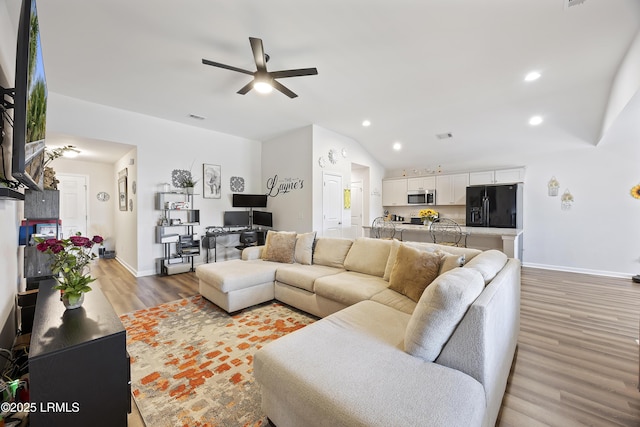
[{"x": 175, "y": 232}]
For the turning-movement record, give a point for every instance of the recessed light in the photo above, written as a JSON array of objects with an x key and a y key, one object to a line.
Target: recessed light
[
  {"x": 535, "y": 120},
  {"x": 533, "y": 75},
  {"x": 397, "y": 146},
  {"x": 366, "y": 123}
]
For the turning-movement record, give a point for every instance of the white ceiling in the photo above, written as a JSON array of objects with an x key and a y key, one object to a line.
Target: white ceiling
[{"x": 414, "y": 68}]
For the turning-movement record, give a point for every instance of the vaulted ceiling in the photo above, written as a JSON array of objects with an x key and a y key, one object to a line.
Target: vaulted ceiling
[{"x": 415, "y": 69}]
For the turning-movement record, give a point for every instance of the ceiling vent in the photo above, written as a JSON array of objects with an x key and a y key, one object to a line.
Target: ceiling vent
[
  {"x": 196, "y": 117},
  {"x": 571, "y": 3},
  {"x": 446, "y": 135}
]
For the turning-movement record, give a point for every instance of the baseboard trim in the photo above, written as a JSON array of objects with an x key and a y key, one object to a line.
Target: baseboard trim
[{"x": 578, "y": 270}]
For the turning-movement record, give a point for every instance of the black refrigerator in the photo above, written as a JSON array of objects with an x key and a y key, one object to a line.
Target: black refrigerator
[{"x": 497, "y": 206}]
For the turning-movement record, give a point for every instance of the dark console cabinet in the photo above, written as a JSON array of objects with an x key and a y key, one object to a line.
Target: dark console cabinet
[{"x": 78, "y": 363}]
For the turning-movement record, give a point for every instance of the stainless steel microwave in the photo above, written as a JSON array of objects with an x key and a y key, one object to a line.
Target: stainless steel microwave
[{"x": 421, "y": 197}]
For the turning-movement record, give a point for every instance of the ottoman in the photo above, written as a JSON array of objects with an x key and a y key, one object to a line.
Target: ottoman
[{"x": 237, "y": 284}]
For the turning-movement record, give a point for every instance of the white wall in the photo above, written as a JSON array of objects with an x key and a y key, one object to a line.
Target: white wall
[
  {"x": 600, "y": 234},
  {"x": 625, "y": 85},
  {"x": 325, "y": 140},
  {"x": 101, "y": 178},
  {"x": 161, "y": 146},
  {"x": 288, "y": 157}
]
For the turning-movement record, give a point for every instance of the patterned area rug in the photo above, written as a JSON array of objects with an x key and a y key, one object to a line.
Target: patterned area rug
[{"x": 192, "y": 362}]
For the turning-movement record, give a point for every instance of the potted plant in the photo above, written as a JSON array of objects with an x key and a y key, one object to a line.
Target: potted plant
[
  {"x": 71, "y": 258},
  {"x": 428, "y": 216}
]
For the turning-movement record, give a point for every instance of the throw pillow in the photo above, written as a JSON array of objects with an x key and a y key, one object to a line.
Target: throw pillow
[
  {"x": 281, "y": 246},
  {"x": 439, "y": 310},
  {"x": 303, "y": 253},
  {"x": 413, "y": 271}
]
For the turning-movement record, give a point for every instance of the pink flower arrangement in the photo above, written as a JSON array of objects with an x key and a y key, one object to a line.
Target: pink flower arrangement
[{"x": 70, "y": 258}]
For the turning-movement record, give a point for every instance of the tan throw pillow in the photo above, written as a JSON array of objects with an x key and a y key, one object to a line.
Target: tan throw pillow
[
  {"x": 304, "y": 248},
  {"x": 413, "y": 271},
  {"x": 439, "y": 310},
  {"x": 281, "y": 246}
]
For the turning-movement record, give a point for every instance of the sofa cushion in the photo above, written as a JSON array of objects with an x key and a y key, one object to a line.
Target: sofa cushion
[
  {"x": 349, "y": 287},
  {"x": 280, "y": 246},
  {"x": 413, "y": 271},
  {"x": 303, "y": 276},
  {"x": 237, "y": 274},
  {"x": 303, "y": 253},
  {"x": 488, "y": 264},
  {"x": 368, "y": 256},
  {"x": 322, "y": 370},
  {"x": 331, "y": 251},
  {"x": 439, "y": 310},
  {"x": 395, "y": 300}
]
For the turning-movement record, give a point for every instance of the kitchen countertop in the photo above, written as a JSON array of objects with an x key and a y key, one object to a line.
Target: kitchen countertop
[{"x": 470, "y": 231}]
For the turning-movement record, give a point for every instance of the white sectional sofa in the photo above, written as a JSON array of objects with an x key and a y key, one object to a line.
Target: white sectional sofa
[{"x": 385, "y": 353}]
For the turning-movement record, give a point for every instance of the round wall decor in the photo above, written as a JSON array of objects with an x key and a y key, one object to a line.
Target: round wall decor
[{"x": 103, "y": 196}]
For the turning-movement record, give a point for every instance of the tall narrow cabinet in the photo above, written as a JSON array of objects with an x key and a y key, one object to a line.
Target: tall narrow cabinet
[
  {"x": 175, "y": 232},
  {"x": 40, "y": 207}
]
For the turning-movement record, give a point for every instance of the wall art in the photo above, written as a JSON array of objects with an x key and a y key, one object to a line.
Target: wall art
[
  {"x": 122, "y": 189},
  {"x": 275, "y": 186},
  {"x": 236, "y": 183},
  {"x": 212, "y": 181}
]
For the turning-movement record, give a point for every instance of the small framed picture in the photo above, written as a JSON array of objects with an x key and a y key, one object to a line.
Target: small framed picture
[{"x": 212, "y": 181}]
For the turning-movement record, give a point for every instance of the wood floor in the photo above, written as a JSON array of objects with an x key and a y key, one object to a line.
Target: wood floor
[{"x": 577, "y": 357}]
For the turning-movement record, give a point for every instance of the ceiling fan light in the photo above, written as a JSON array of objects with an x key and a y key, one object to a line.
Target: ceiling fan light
[{"x": 262, "y": 87}]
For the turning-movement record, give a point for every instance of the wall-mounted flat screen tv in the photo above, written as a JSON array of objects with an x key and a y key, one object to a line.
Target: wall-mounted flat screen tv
[
  {"x": 249, "y": 200},
  {"x": 264, "y": 219},
  {"x": 236, "y": 219},
  {"x": 30, "y": 102}
]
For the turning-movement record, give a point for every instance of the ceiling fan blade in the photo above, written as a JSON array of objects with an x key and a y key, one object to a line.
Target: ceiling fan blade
[
  {"x": 258, "y": 54},
  {"x": 246, "y": 88},
  {"x": 279, "y": 86},
  {"x": 227, "y": 67},
  {"x": 294, "y": 73}
]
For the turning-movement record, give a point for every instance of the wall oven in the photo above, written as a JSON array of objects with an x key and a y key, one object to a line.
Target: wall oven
[{"x": 421, "y": 197}]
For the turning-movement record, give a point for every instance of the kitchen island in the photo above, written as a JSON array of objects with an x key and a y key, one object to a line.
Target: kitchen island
[{"x": 508, "y": 240}]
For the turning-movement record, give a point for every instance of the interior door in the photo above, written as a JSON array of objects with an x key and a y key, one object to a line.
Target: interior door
[
  {"x": 356, "y": 208},
  {"x": 73, "y": 204},
  {"x": 332, "y": 205}
]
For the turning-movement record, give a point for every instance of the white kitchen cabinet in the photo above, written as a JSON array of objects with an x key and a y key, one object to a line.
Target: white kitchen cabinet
[
  {"x": 507, "y": 176},
  {"x": 482, "y": 178},
  {"x": 500, "y": 176},
  {"x": 421, "y": 183},
  {"x": 451, "y": 189},
  {"x": 394, "y": 192}
]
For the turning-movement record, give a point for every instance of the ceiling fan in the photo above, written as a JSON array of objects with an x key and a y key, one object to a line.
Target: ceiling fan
[{"x": 264, "y": 81}]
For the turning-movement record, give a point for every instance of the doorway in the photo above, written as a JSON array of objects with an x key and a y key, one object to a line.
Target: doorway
[
  {"x": 356, "y": 208},
  {"x": 73, "y": 204},
  {"x": 331, "y": 204}
]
